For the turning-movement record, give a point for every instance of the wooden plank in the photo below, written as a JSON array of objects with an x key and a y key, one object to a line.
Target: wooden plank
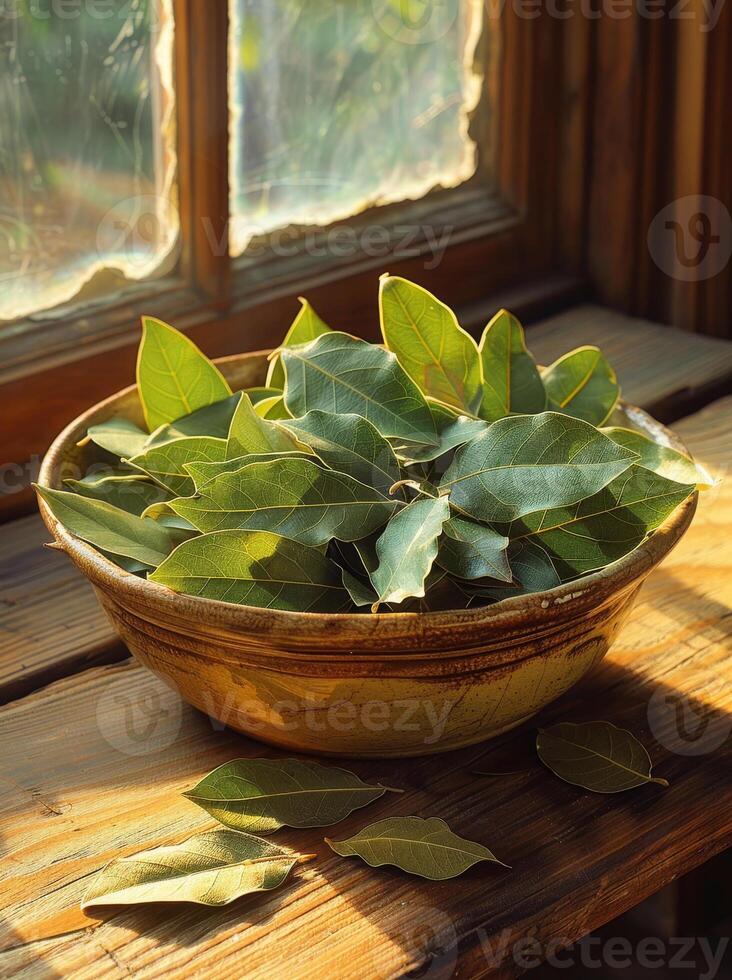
[
  {"x": 51, "y": 625},
  {"x": 91, "y": 784},
  {"x": 667, "y": 371},
  {"x": 50, "y": 621}
]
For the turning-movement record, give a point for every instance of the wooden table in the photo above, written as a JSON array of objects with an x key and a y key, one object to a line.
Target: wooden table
[{"x": 95, "y": 752}]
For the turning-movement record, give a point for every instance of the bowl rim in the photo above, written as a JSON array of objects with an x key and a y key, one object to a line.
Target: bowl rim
[{"x": 567, "y": 600}]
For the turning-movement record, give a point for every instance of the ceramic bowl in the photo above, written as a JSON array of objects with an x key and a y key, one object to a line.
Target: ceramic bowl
[{"x": 385, "y": 685}]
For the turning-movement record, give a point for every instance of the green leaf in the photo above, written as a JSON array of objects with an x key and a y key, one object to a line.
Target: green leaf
[
  {"x": 353, "y": 572},
  {"x": 262, "y": 795},
  {"x": 511, "y": 379},
  {"x": 349, "y": 444},
  {"x": 128, "y": 564},
  {"x": 212, "y": 868},
  {"x": 201, "y": 473},
  {"x": 407, "y": 548},
  {"x": 166, "y": 463},
  {"x": 532, "y": 569},
  {"x": 255, "y": 568},
  {"x": 596, "y": 755},
  {"x": 306, "y": 326},
  {"x": 272, "y": 408},
  {"x": 437, "y": 354},
  {"x": 109, "y": 528},
  {"x": 661, "y": 459},
  {"x": 340, "y": 374},
  {"x": 257, "y": 395},
  {"x": 422, "y": 847},
  {"x": 526, "y": 463},
  {"x": 131, "y": 493},
  {"x": 173, "y": 377},
  {"x": 452, "y": 431},
  {"x": 582, "y": 384},
  {"x": 294, "y": 497},
  {"x": 602, "y": 528},
  {"x": 361, "y": 592},
  {"x": 117, "y": 436},
  {"x": 213, "y": 420},
  {"x": 249, "y": 433},
  {"x": 469, "y": 551}
]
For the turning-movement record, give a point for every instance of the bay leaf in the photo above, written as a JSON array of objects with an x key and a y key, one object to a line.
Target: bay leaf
[
  {"x": 588, "y": 535},
  {"x": 661, "y": 459},
  {"x": 131, "y": 493},
  {"x": 532, "y": 568},
  {"x": 109, "y": 528},
  {"x": 511, "y": 379},
  {"x": 452, "y": 431},
  {"x": 249, "y": 433},
  {"x": 437, "y": 354},
  {"x": 211, "y": 420},
  {"x": 471, "y": 551},
  {"x": 582, "y": 384},
  {"x": 262, "y": 795},
  {"x": 349, "y": 444},
  {"x": 362, "y": 593},
  {"x": 174, "y": 377},
  {"x": 262, "y": 394},
  {"x": 525, "y": 463},
  {"x": 202, "y": 472},
  {"x": 255, "y": 568},
  {"x": 341, "y": 374},
  {"x": 272, "y": 408},
  {"x": 295, "y": 497},
  {"x": 407, "y": 548},
  {"x": 117, "y": 436},
  {"x": 424, "y": 847},
  {"x": 596, "y": 755},
  {"x": 353, "y": 573},
  {"x": 166, "y": 463},
  {"x": 306, "y": 326},
  {"x": 212, "y": 868},
  {"x": 128, "y": 564}
]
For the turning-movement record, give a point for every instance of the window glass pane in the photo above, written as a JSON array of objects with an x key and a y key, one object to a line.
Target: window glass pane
[
  {"x": 87, "y": 156},
  {"x": 338, "y": 105}
]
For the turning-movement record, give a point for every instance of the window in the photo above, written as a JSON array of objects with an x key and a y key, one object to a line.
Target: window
[
  {"x": 156, "y": 154},
  {"x": 341, "y": 106},
  {"x": 87, "y": 150}
]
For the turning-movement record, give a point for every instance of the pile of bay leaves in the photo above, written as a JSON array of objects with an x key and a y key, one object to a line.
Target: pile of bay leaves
[{"x": 427, "y": 472}]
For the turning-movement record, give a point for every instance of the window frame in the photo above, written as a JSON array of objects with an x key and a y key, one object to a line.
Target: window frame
[{"x": 503, "y": 240}]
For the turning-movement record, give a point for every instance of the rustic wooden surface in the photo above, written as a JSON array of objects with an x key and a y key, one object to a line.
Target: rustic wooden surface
[
  {"x": 51, "y": 624},
  {"x": 94, "y": 765}
]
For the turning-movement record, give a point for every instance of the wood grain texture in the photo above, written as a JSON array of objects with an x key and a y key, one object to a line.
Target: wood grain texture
[
  {"x": 51, "y": 623},
  {"x": 106, "y": 753}
]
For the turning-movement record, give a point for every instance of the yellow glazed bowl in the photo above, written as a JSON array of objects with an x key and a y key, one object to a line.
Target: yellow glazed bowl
[{"x": 392, "y": 684}]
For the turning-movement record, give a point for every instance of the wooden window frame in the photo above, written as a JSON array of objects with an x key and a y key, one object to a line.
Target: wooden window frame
[{"x": 504, "y": 240}]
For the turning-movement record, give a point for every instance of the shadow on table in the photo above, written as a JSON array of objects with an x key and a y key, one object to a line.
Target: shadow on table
[{"x": 578, "y": 859}]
